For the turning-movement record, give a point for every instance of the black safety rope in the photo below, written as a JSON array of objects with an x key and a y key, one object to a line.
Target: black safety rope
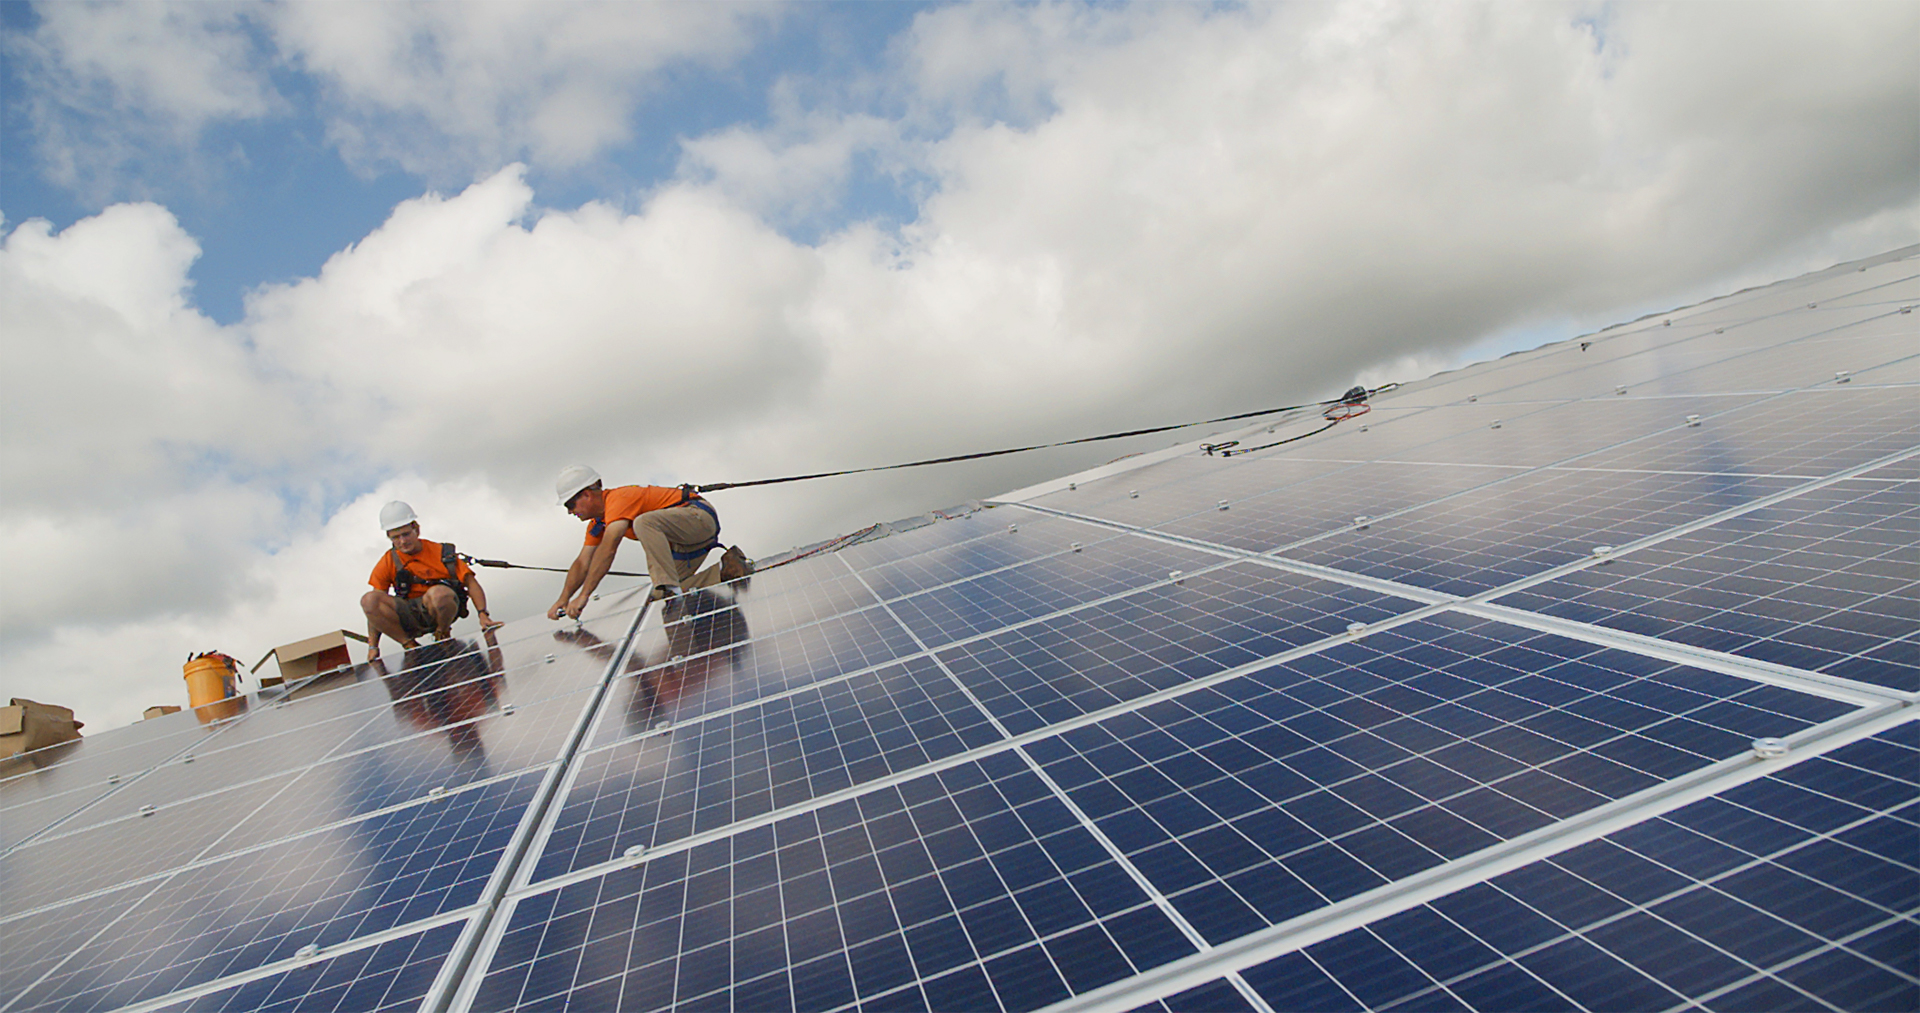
[
  {"x": 504, "y": 565},
  {"x": 1348, "y": 398},
  {"x": 1353, "y": 402}
]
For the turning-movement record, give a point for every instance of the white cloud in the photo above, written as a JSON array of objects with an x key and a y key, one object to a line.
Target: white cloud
[
  {"x": 441, "y": 89},
  {"x": 107, "y": 84},
  {"x": 1134, "y": 214}
]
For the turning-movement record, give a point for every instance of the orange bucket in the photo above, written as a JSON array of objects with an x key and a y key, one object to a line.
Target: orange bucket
[{"x": 210, "y": 679}]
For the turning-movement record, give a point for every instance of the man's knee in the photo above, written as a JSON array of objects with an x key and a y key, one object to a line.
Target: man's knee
[
  {"x": 371, "y": 602},
  {"x": 443, "y": 602}
]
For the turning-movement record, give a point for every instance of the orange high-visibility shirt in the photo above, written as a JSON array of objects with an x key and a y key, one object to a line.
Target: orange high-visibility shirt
[
  {"x": 626, "y": 502},
  {"x": 425, "y": 565}
]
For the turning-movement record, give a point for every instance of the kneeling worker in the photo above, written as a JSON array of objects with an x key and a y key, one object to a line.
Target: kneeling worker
[
  {"x": 430, "y": 583},
  {"x": 675, "y": 528}
]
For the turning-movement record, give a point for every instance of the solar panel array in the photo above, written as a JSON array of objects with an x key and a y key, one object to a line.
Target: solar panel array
[{"x": 1581, "y": 679}]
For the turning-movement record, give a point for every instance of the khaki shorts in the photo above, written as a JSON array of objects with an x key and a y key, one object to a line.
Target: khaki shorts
[{"x": 416, "y": 619}]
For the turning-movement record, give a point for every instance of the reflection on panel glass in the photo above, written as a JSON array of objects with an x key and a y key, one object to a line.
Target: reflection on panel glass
[
  {"x": 1824, "y": 581},
  {"x": 706, "y": 654},
  {"x": 393, "y": 975},
  {"x": 1156, "y": 639},
  {"x": 973, "y": 888},
  {"x": 261, "y": 906},
  {"x": 1495, "y": 535},
  {"x": 1811, "y": 433},
  {"x": 1044, "y": 587},
  {"x": 452, "y": 713},
  {"x": 1260, "y": 522},
  {"x": 703, "y": 775},
  {"x": 1271, "y": 795},
  {"x": 1794, "y": 892}
]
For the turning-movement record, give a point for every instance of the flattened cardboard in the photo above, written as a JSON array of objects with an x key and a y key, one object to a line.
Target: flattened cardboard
[
  {"x": 26, "y": 726},
  {"x": 158, "y": 712},
  {"x": 303, "y": 658}
]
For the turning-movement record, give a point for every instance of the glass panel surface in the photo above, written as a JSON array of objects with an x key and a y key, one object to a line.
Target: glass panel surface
[
  {"x": 1526, "y": 525},
  {"x": 973, "y": 888},
  {"x": 1159, "y": 638},
  {"x": 1271, "y": 795},
  {"x": 1811, "y": 434},
  {"x": 1824, "y": 581},
  {"x": 323, "y": 889},
  {"x": 393, "y": 975},
  {"x": 702, "y": 775},
  {"x": 1044, "y": 587},
  {"x": 1793, "y": 892},
  {"x": 1263, "y": 522}
]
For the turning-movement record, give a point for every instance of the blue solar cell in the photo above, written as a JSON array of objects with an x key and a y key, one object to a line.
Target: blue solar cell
[
  {"x": 1823, "y": 581},
  {"x": 975, "y": 868},
  {"x": 707, "y": 773},
  {"x": 1781, "y": 912},
  {"x": 230, "y": 916},
  {"x": 1158, "y": 638},
  {"x": 1042, "y": 588},
  {"x": 391, "y": 975},
  {"x": 1528, "y": 524},
  {"x": 814, "y": 764}
]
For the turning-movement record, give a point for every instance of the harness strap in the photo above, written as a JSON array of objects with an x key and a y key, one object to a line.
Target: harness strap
[{"x": 695, "y": 501}]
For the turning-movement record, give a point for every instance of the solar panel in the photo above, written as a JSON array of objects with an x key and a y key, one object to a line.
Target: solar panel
[{"x": 1584, "y": 678}]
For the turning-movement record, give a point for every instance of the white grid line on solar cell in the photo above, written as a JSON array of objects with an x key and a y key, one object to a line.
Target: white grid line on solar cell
[
  {"x": 476, "y": 939},
  {"x": 1119, "y": 857},
  {"x": 1423, "y": 792},
  {"x": 1420, "y": 888},
  {"x": 322, "y": 889},
  {"x": 1554, "y": 573},
  {"x": 292, "y": 738},
  {"x": 1426, "y": 505},
  {"x": 1519, "y": 528},
  {"x": 526, "y": 712},
  {"x": 1827, "y": 568},
  {"x": 292, "y": 963},
  {"x": 1629, "y": 908},
  {"x": 812, "y": 835},
  {"x": 646, "y": 792},
  {"x": 203, "y": 860},
  {"x": 1228, "y": 560},
  {"x": 1091, "y": 717}
]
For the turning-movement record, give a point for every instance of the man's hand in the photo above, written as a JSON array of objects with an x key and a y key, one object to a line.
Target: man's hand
[
  {"x": 559, "y": 609},
  {"x": 578, "y": 605},
  {"x": 488, "y": 622}
]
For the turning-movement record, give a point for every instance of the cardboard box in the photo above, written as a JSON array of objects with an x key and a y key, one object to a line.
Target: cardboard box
[
  {"x": 26, "y": 726},
  {"x": 313, "y": 655},
  {"x": 158, "y": 712}
]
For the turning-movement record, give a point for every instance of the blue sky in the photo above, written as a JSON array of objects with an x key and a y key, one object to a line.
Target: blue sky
[
  {"x": 277, "y": 200},
  {"x": 267, "y": 266}
]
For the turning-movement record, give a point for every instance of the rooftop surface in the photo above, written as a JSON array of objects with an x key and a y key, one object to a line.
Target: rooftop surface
[{"x": 1581, "y": 679}]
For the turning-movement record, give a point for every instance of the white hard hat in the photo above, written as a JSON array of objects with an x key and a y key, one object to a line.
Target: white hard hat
[
  {"x": 396, "y": 515},
  {"x": 573, "y": 478}
]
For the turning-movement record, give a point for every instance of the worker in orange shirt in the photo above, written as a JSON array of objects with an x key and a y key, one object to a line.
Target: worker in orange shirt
[
  {"x": 431, "y": 586},
  {"x": 675, "y": 528}
]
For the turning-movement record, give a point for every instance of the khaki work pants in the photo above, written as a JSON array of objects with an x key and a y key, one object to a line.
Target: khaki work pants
[{"x": 684, "y": 528}]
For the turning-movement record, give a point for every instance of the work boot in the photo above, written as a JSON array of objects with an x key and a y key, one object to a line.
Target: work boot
[
  {"x": 734, "y": 564},
  {"x": 662, "y": 591}
]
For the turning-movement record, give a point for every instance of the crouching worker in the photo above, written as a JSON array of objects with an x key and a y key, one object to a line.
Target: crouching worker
[
  {"x": 431, "y": 586},
  {"x": 675, "y": 528}
]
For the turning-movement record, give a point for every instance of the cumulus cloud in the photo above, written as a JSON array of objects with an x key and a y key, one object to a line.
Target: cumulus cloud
[
  {"x": 442, "y": 88},
  {"x": 106, "y": 85},
  {"x": 1131, "y": 215}
]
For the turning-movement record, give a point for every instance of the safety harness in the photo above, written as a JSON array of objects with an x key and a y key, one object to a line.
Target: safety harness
[
  {"x": 404, "y": 579},
  {"x": 689, "y": 496}
]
